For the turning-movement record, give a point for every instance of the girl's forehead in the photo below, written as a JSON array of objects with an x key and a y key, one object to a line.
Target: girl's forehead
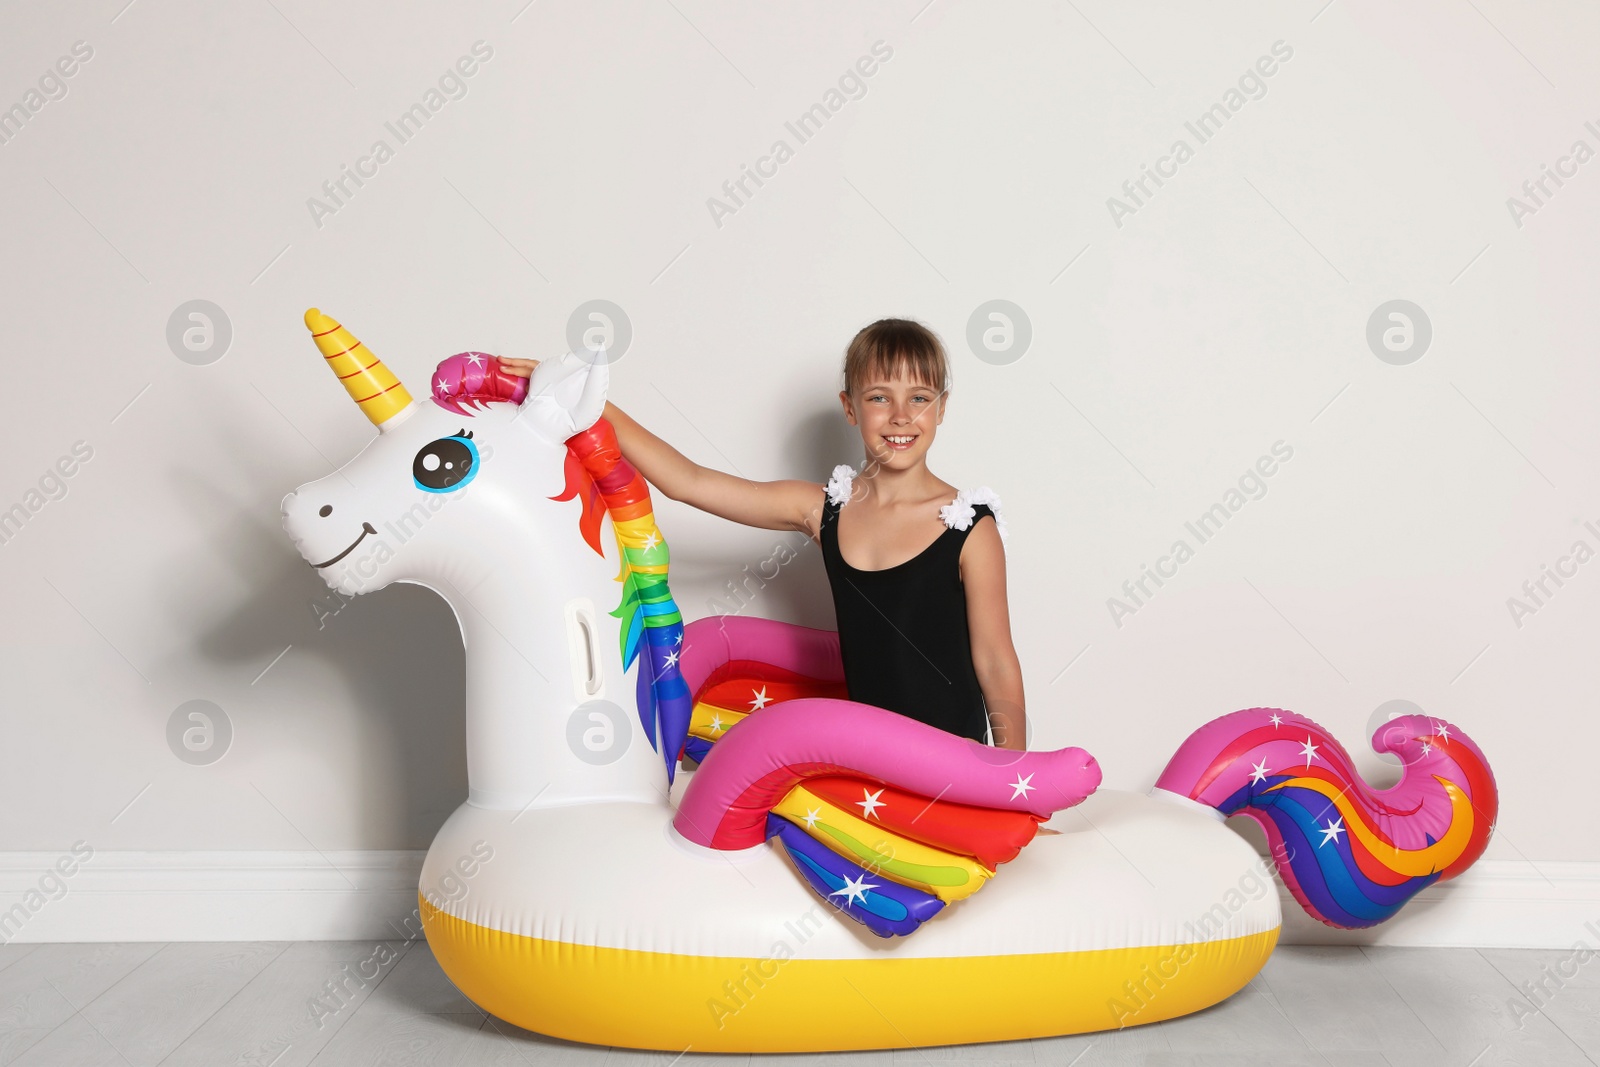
[
  {"x": 901, "y": 379},
  {"x": 900, "y": 390}
]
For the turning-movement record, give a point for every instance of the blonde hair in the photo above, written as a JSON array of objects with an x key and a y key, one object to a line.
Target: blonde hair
[{"x": 890, "y": 346}]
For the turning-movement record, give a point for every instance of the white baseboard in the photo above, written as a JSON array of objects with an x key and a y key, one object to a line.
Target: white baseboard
[
  {"x": 1493, "y": 904},
  {"x": 353, "y": 895},
  {"x": 371, "y": 895}
]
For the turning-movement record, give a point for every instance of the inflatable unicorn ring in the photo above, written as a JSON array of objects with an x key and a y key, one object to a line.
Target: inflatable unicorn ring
[{"x": 810, "y": 881}]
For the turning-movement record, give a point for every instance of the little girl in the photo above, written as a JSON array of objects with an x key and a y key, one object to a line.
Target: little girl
[{"x": 924, "y": 628}]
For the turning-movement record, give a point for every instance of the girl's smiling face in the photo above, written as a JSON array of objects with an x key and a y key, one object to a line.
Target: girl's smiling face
[{"x": 897, "y": 417}]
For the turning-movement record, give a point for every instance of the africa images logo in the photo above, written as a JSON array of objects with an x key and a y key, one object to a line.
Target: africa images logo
[
  {"x": 851, "y": 85},
  {"x": 1250, "y": 86}
]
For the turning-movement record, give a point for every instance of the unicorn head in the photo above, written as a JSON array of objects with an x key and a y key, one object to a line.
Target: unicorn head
[
  {"x": 492, "y": 493},
  {"x": 376, "y": 520}
]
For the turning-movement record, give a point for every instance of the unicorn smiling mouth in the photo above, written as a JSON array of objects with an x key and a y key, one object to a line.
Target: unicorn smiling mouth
[{"x": 366, "y": 528}]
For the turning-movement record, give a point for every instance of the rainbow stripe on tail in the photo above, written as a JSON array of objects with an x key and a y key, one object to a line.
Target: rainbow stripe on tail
[
  {"x": 1351, "y": 855},
  {"x": 597, "y": 474}
]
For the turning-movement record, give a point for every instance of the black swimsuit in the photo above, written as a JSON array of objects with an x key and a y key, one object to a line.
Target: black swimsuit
[{"x": 903, "y": 631}]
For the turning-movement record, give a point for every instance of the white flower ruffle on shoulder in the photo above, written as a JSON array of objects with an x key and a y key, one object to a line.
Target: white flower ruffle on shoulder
[
  {"x": 959, "y": 515},
  {"x": 840, "y": 482}
]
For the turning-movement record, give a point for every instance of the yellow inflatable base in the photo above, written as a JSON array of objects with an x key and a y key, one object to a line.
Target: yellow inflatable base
[{"x": 656, "y": 1000}]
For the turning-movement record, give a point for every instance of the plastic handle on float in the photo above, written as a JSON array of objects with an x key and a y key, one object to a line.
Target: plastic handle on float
[
  {"x": 583, "y": 648},
  {"x": 591, "y": 681}
]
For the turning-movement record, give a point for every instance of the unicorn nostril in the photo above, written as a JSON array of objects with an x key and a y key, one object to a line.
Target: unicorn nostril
[{"x": 327, "y": 509}]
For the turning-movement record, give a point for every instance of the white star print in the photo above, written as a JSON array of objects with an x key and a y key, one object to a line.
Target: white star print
[
  {"x": 651, "y": 541},
  {"x": 854, "y": 889},
  {"x": 871, "y": 804},
  {"x": 1276, "y": 720},
  {"x": 716, "y": 724},
  {"x": 475, "y": 359},
  {"x": 1020, "y": 787},
  {"x": 441, "y": 386},
  {"x": 1332, "y": 831},
  {"x": 1443, "y": 730},
  {"x": 812, "y": 815},
  {"x": 1309, "y": 750},
  {"x": 672, "y": 659},
  {"x": 679, "y": 641},
  {"x": 1426, "y": 748},
  {"x": 1258, "y": 772},
  {"x": 761, "y": 699}
]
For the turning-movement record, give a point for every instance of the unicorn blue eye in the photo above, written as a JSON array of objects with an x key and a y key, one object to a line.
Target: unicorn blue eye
[{"x": 447, "y": 464}]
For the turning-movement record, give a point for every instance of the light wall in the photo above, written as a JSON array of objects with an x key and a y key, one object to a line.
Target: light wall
[{"x": 1174, "y": 341}]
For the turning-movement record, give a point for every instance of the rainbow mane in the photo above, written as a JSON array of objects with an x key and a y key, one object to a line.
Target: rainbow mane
[
  {"x": 598, "y": 475},
  {"x": 605, "y": 483},
  {"x": 1351, "y": 855}
]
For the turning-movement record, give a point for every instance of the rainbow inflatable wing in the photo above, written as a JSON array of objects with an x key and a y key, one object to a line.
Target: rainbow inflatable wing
[
  {"x": 887, "y": 819},
  {"x": 891, "y": 860},
  {"x": 884, "y": 856},
  {"x": 1352, "y": 856},
  {"x": 737, "y": 689}
]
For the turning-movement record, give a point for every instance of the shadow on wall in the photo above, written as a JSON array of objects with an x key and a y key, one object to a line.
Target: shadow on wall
[
  {"x": 388, "y": 667},
  {"x": 396, "y": 659},
  {"x": 725, "y": 568},
  {"x": 821, "y": 441}
]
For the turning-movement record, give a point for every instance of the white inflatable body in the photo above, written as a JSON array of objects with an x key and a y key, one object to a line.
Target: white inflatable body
[
  {"x": 560, "y": 897},
  {"x": 1139, "y": 910}
]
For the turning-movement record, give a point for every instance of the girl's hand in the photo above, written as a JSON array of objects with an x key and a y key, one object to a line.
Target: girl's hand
[{"x": 522, "y": 368}]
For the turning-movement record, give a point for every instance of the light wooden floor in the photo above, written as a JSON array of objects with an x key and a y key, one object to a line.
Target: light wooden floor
[{"x": 221, "y": 1005}]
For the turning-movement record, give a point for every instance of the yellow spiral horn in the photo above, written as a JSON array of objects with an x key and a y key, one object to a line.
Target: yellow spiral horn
[{"x": 370, "y": 384}]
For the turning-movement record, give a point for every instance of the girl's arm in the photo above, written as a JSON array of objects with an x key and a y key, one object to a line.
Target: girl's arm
[
  {"x": 789, "y": 504},
  {"x": 983, "y": 572}
]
